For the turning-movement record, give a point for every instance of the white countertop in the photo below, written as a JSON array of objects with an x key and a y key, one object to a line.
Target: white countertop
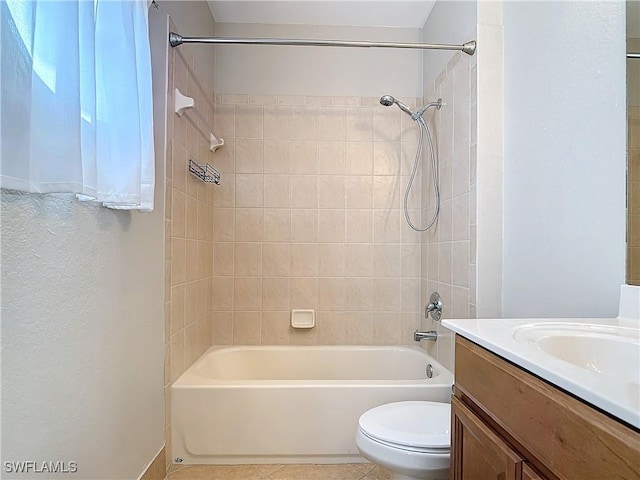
[{"x": 616, "y": 395}]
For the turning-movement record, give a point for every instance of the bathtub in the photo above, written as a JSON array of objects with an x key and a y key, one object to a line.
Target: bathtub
[{"x": 292, "y": 404}]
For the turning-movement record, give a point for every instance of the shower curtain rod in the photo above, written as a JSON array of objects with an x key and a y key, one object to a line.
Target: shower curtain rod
[
  {"x": 633, "y": 55},
  {"x": 175, "y": 39}
]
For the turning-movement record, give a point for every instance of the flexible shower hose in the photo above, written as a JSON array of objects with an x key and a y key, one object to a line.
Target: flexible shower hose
[{"x": 434, "y": 175}]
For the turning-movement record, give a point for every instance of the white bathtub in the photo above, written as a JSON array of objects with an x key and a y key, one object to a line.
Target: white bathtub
[{"x": 292, "y": 404}]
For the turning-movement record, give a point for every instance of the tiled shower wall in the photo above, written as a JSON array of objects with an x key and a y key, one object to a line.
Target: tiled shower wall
[
  {"x": 308, "y": 216},
  {"x": 449, "y": 249},
  {"x": 189, "y": 225}
]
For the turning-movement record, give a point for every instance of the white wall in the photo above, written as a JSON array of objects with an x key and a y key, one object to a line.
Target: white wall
[
  {"x": 277, "y": 70},
  {"x": 452, "y": 22},
  {"x": 564, "y": 158},
  {"x": 82, "y": 323}
]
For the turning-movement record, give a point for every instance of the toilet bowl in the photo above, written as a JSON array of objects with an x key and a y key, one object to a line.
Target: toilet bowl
[{"x": 411, "y": 439}]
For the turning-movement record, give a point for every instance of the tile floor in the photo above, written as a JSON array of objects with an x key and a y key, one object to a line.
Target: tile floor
[{"x": 351, "y": 471}]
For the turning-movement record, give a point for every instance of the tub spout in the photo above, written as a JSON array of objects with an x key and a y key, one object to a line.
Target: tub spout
[{"x": 430, "y": 335}]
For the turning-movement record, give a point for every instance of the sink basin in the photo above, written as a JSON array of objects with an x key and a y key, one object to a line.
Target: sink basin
[{"x": 608, "y": 350}]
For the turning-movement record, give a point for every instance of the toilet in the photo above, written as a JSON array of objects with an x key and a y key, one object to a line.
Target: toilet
[{"x": 411, "y": 439}]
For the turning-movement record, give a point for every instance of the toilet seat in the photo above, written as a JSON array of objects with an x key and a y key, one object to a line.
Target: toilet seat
[{"x": 415, "y": 426}]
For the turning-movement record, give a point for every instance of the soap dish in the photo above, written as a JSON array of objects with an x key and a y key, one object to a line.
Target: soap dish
[{"x": 303, "y": 318}]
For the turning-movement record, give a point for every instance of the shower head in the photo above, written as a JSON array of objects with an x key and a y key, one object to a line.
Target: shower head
[{"x": 388, "y": 100}]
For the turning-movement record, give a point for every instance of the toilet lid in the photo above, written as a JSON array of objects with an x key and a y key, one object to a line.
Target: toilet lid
[{"x": 414, "y": 424}]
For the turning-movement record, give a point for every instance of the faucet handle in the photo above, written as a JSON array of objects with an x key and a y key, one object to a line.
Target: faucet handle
[{"x": 434, "y": 308}]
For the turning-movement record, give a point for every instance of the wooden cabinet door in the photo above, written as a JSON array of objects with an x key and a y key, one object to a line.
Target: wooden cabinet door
[{"x": 477, "y": 452}]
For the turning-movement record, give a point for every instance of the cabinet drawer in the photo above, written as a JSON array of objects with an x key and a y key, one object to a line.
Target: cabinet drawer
[
  {"x": 565, "y": 435},
  {"x": 478, "y": 453}
]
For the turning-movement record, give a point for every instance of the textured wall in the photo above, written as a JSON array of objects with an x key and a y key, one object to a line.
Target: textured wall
[
  {"x": 81, "y": 334},
  {"x": 564, "y": 158},
  {"x": 633, "y": 159}
]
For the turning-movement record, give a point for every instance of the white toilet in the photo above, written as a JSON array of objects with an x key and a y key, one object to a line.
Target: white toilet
[{"x": 412, "y": 439}]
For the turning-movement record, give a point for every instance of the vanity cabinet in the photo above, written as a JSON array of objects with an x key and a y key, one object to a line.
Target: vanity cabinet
[{"x": 508, "y": 424}]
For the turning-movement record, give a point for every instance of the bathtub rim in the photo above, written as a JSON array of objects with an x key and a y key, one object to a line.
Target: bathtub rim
[{"x": 191, "y": 379}]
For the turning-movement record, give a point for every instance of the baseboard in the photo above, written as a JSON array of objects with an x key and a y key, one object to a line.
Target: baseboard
[{"x": 157, "y": 468}]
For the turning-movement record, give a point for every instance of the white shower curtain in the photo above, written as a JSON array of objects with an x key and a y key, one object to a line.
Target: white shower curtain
[{"x": 76, "y": 100}]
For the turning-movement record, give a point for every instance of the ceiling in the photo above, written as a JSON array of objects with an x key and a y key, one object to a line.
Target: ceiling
[{"x": 390, "y": 13}]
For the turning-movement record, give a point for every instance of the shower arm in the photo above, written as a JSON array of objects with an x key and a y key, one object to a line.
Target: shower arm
[{"x": 176, "y": 39}]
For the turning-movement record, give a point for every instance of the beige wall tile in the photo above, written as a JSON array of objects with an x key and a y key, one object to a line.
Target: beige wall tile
[
  {"x": 275, "y": 260},
  {"x": 331, "y": 259},
  {"x": 248, "y": 121},
  {"x": 249, "y": 190},
  {"x": 276, "y": 156},
  {"x": 359, "y": 260},
  {"x": 304, "y": 191},
  {"x": 386, "y": 328},
  {"x": 248, "y": 259},
  {"x": 331, "y": 293},
  {"x": 331, "y": 226},
  {"x": 277, "y": 225},
  {"x": 386, "y": 226},
  {"x": 359, "y": 159},
  {"x": 224, "y": 224},
  {"x": 332, "y": 328},
  {"x": 359, "y": 294},
  {"x": 275, "y": 293},
  {"x": 223, "y": 258},
  {"x": 359, "y": 191},
  {"x": 275, "y": 328},
  {"x": 386, "y": 158},
  {"x": 331, "y": 191},
  {"x": 386, "y": 125},
  {"x": 359, "y": 122},
  {"x": 247, "y": 294},
  {"x": 249, "y": 156},
  {"x": 190, "y": 345},
  {"x": 303, "y": 157},
  {"x": 246, "y": 328},
  {"x": 360, "y": 328},
  {"x": 304, "y": 123},
  {"x": 204, "y": 259},
  {"x": 277, "y": 122},
  {"x": 387, "y": 294},
  {"x": 177, "y": 355},
  {"x": 277, "y": 192},
  {"x": 248, "y": 223},
  {"x": 386, "y": 192},
  {"x": 304, "y": 292},
  {"x": 178, "y": 298},
  {"x": 359, "y": 226},
  {"x": 204, "y": 334},
  {"x": 178, "y": 261},
  {"x": 225, "y": 158},
  {"x": 304, "y": 226},
  {"x": 387, "y": 260},
  {"x": 304, "y": 260},
  {"x": 178, "y": 215},
  {"x": 331, "y": 124},
  {"x": 331, "y": 158},
  {"x": 222, "y": 328},
  {"x": 223, "y": 293},
  {"x": 225, "y": 120}
]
